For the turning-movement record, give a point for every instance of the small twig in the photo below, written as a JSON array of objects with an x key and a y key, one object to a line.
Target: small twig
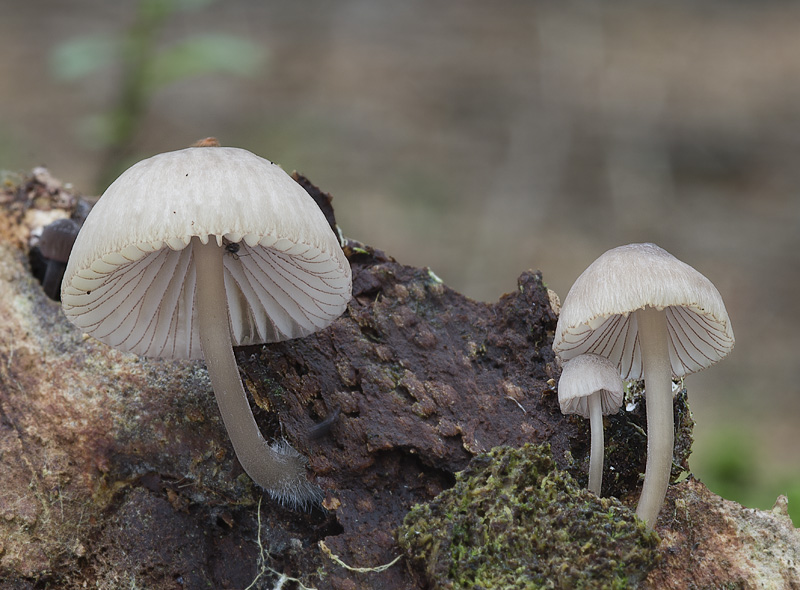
[
  {"x": 524, "y": 411},
  {"x": 638, "y": 429},
  {"x": 323, "y": 428}
]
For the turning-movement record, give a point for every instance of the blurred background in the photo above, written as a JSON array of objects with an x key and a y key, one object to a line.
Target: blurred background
[{"x": 479, "y": 139}]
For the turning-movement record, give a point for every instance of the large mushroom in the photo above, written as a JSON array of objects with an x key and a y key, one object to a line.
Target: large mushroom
[
  {"x": 152, "y": 272},
  {"x": 655, "y": 318}
]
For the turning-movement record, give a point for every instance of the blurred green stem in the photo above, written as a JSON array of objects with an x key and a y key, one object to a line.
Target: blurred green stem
[{"x": 138, "y": 50}]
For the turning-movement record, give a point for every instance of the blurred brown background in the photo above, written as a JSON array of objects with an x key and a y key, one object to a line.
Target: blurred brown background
[{"x": 480, "y": 139}]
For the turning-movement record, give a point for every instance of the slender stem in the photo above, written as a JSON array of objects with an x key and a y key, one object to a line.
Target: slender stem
[
  {"x": 279, "y": 469},
  {"x": 53, "y": 274},
  {"x": 653, "y": 339},
  {"x": 596, "y": 455}
]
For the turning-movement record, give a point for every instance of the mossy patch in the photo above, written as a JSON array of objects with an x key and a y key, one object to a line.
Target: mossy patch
[{"x": 513, "y": 520}]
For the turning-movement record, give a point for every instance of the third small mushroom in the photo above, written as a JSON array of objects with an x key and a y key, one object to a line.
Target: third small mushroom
[
  {"x": 590, "y": 386},
  {"x": 655, "y": 318}
]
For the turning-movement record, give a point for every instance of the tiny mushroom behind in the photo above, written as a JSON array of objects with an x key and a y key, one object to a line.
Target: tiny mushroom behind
[
  {"x": 55, "y": 246},
  {"x": 590, "y": 386},
  {"x": 654, "y": 317},
  {"x": 150, "y": 274}
]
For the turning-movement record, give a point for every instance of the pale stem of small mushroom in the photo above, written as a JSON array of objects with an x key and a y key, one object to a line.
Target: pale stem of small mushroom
[
  {"x": 653, "y": 339},
  {"x": 276, "y": 472},
  {"x": 596, "y": 455}
]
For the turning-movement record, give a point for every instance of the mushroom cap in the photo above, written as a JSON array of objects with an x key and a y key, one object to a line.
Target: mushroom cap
[
  {"x": 597, "y": 317},
  {"x": 58, "y": 238},
  {"x": 130, "y": 281},
  {"x": 587, "y": 374}
]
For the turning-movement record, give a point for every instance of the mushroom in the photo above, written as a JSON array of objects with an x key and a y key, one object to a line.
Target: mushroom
[
  {"x": 55, "y": 244},
  {"x": 590, "y": 386},
  {"x": 655, "y": 318},
  {"x": 150, "y": 274}
]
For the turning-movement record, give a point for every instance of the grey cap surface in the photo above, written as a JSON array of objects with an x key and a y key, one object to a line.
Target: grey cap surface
[
  {"x": 585, "y": 375},
  {"x": 597, "y": 313},
  {"x": 130, "y": 281}
]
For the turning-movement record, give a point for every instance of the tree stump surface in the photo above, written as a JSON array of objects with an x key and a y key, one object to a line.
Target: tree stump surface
[{"x": 117, "y": 471}]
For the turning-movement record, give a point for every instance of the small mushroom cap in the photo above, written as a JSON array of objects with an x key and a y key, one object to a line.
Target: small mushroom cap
[
  {"x": 587, "y": 374},
  {"x": 597, "y": 317},
  {"x": 130, "y": 281},
  {"x": 58, "y": 238}
]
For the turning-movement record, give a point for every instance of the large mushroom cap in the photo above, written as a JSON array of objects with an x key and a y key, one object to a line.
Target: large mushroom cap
[
  {"x": 585, "y": 375},
  {"x": 130, "y": 281},
  {"x": 597, "y": 317}
]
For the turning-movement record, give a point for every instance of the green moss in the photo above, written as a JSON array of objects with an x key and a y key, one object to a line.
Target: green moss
[
  {"x": 273, "y": 388},
  {"x": 513, "y": 520}
]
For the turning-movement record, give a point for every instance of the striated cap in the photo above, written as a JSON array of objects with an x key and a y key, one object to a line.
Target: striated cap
[
  {"x": 130, "y": 281},
  {"x": 585, "y": 375},
  {"x": 596, "y": 316}
]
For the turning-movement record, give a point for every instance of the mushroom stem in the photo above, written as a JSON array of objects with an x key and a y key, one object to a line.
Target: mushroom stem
[
  {"x": 278, "y": 468},
  {"x": 53, "y": 274},
  {"x": 596, "y": 455},
  {"x": 653, "y": 338}
]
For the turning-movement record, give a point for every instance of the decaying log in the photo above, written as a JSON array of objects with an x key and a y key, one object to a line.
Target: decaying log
[{"x": 117, "y": 471}]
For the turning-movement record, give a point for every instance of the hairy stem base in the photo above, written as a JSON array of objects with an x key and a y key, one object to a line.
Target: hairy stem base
[{"x": 279, "y": 469}]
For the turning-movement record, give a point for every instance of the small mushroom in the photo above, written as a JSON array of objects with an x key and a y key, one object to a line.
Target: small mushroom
[
  {"x": 149, "y": 274},
  {"x": 655, "y": 318},
  {"x": 55, "y": 245},
  {"x": 590, "y": 386}
]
